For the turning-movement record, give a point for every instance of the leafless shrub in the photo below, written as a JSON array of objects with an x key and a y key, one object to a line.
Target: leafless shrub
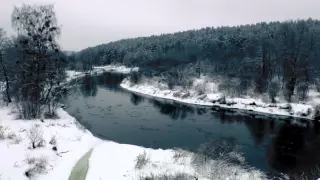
[
  {"x": 35, "y": 135},
  {"x": 201, "y": 88},
  {"x": 177, "y": 94},
  {"x": 30, "y": 159},
  {"x": 142, "y": 160},
  {"x": 17, "y": 139},
  {"x": 179, "y": 154},
  {"x": 39, "y": 167},
  {"x": 53, "y": 140},
  {"x": 175, "y": 176},
  {"x": 11, "y": 135},
  {"x": 42, "y": 163}
]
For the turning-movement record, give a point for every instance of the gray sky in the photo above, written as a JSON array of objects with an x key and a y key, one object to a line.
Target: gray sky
[{"x": 91, "y": 22}]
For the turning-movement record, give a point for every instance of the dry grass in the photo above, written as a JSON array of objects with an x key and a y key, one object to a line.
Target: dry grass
[{"x": 142, "y": 160}]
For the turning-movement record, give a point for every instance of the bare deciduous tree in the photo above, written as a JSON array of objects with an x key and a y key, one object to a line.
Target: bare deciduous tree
[{"x": 39, "y": 68}]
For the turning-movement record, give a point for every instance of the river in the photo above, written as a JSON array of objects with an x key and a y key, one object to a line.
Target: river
[{"x": 112, "y": 113}]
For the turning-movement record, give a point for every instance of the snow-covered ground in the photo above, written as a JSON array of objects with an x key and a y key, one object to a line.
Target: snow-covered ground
[
  {"x": 115, "y": 68},
  {"x": 109, "y": 160},
  {"x": 71, "y": 74},
  {"x": 206, "y": 93},
  {"x": 17, "y": 155}
]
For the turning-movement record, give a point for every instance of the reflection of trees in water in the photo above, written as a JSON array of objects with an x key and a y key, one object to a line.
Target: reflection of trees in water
[
  {"x": 110, "y": 80},
  {"x": 258, "y": 127},
  {"x": 295, "y": 150},
  {"x": 136, "y": 99},
  {"x": 175, "y": 111},
  {"x": 89, "y": 86}
]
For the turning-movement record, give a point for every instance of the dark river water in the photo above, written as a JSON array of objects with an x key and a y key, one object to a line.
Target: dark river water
[{"x": 112, "y": 113}]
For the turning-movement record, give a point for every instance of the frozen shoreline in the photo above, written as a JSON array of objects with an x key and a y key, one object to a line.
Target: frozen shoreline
[
  {"x": 71, "y": 74},
  {"x": 282, "y": 110}
]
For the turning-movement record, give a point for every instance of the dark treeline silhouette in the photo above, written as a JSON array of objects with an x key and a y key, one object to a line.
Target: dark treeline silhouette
[{"x": 268, "y": 55}]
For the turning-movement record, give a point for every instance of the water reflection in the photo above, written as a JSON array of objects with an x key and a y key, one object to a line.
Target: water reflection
[
  {"x": 295, "y": 149},
  {"x": 89, "y": 86},
  {"x": 118, "y": 115},
  {"x": 174, "y": 110},
  {"x": 110, "y": 80},
  {"x": 136, "y": 99}
]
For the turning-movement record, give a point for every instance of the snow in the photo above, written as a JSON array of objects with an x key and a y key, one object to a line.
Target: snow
[
  {"x": 211, "y": 96},
  {"x": 70, "y": 140},
  {"x": 115, "y": 68},
  {"x": 111, "y": 160},
  {"x": 71, "y": 74}
]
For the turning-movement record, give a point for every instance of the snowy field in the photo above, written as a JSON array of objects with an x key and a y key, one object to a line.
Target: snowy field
[
  {"x": 109, "y": 160},
  {"x": 206, "y": 93}
]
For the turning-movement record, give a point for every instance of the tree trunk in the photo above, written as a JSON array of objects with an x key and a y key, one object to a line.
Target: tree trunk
[{"x": 5, "y": 74}]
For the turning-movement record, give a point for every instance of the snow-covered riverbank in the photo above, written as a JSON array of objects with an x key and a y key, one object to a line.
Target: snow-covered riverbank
[
  {"x": 54, "y": 159},
  {"x": 71, "y": 74},
  {"x": 206, "y": 94}
]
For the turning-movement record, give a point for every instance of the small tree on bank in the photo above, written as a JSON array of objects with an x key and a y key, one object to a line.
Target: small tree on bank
[{"x": 39, "y": 67}]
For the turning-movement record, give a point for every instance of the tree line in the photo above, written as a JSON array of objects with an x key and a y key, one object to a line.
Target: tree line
[{"x": 272, "y": 56}]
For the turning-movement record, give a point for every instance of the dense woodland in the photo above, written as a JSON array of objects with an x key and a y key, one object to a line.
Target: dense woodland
[{"x": 273, "y": 57}]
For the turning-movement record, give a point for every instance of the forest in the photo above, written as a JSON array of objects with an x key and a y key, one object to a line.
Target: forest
[{"x": 275, "y": 57}]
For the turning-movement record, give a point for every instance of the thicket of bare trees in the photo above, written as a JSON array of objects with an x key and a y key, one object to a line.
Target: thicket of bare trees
[{"x": 32, "y": 65}]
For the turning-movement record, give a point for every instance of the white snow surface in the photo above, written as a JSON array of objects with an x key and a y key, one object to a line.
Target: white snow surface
[
  {"x": 116, "y": 68},
  {"x": 71, "y": 74},
  {"x": 211, "y": 95},
  {"x": 72, "y": 143}
]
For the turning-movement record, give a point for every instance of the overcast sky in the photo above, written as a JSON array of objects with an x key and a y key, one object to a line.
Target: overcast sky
[{"x": 91, "y": 22}]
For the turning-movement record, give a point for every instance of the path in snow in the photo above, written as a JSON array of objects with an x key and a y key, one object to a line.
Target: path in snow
[{"x": 80, "y": 170}]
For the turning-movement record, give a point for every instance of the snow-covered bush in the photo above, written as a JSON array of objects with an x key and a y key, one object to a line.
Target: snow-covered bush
[
  {"x": 30, "y": 159},
  {"x": 11, "y": 135},
  {"x": 53, "y": 140},
  {"x": 167, "y": 176},
  {"x": 142, "y": 160},
  {"x": 17, "y": 139},
  {"x": 179, "y": 153},
  {"x": 35, "y": 135},
  {"x": 39, "y": 167},
  {"x": 201, "y": 88},
  {"x": 222, "y": 99}
]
